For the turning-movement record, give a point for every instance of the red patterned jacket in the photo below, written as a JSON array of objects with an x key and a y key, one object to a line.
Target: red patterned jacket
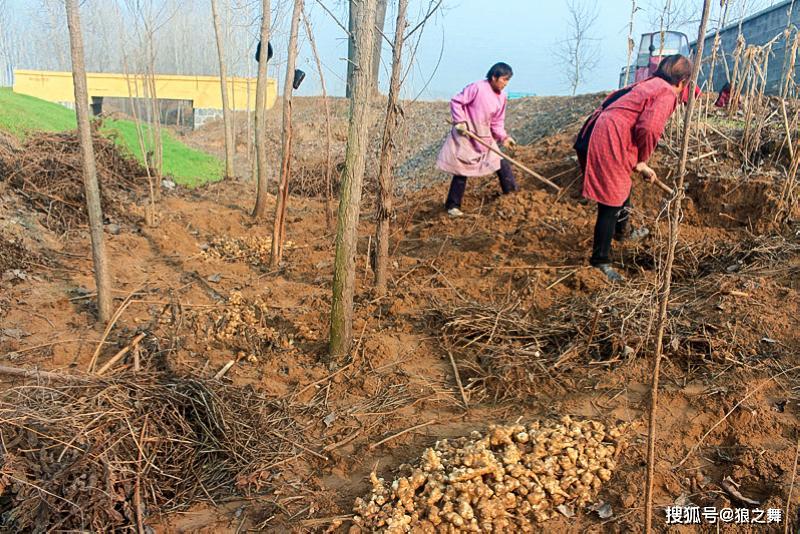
[{"x": 625, "y": 133}]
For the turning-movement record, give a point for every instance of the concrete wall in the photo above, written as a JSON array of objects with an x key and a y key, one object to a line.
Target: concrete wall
[
  {"x": 204, "y": 91},
  {"x": 202, "y": 116},
  {"x": 758, "y": 30}
]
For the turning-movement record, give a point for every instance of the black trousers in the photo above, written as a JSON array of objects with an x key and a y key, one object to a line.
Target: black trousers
[
  {"x": 611, "y": 222},
  {"x": 456, "y": 193}
]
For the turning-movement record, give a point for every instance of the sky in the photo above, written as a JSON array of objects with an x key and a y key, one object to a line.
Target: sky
[
  {"x": 457, "y": 46},
  {"x": 468, "y": 36},
  {"x": 472, "y": 35}
]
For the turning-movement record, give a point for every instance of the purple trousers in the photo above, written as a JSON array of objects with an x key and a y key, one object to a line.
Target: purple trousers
[{"x": 456, "y": 194}]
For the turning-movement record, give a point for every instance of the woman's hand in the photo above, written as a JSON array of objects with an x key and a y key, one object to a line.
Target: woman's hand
[
  {"x": 648, "y": 174},
  {"x": 509, "y": 143},
  {"x": 461, "y": 128}
]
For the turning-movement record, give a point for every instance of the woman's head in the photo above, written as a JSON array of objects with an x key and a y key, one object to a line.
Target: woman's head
[
  {"x": 675, "y": 70},
  {"x": 499, "y": 76}
]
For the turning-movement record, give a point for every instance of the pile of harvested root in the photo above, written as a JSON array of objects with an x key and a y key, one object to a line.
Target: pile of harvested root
[
  {"x": 48, "y": 174},
  {"x": 107, "y": 454},
  {"x": 505, "y": 480},
  {"x": 254, "y": 250},
  {"x": 240, "y": 324}
]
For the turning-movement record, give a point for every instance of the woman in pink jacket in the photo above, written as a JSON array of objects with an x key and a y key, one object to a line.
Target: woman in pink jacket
[{"x": 480, "y": 108}]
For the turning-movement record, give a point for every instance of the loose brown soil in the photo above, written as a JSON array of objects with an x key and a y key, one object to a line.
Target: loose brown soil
[{"x": 534, "y": 332}]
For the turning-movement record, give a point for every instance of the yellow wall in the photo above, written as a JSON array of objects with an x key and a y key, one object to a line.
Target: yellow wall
[{"x": 204, "y": 91}]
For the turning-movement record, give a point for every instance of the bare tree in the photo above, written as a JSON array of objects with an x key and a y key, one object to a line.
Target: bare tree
[
  {"x": 385, "y": 178},
  {"x": 380, "y": 20},
  {"x": 91, "y": 187},
  {"x": 352, "y": 13},
  {"x": 6, "y": 61},
  {"x": 150, "y": 211},
  {"x": 344, "y": 275},
  {"x": 133, "y": 96},
  {"x": 227, "y": 115},
  {"x": 328, "y": 134},
  {"x": 260, "y": 209},
  {"x": 631, "y": 43},
  {"x": 579, "y": 52},
  {"x": 55, "y": 38},
  {"x": 673, "y": 15},
  {"x": 158, "y": 147},
  {"x": 665, "y": 275},
  {"x": 279, "y": 227},
  {"x": 380, "y": 24},
  {"x": 149, "y": 17}
]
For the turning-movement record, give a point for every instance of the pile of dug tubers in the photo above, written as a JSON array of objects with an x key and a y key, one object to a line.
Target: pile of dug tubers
[
  {"x": 254, "y": 250},
  {"x": 241, "y": 324},
  {"x": 505, "y": 480}
]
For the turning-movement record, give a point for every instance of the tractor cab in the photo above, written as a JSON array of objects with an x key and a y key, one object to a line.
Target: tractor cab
[{"x": 651, "y": 51}]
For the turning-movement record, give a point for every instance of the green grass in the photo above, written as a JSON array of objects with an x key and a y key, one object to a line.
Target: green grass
[
  {"x": 22, "y": 115},
  {"x": 185, "y": 165}
]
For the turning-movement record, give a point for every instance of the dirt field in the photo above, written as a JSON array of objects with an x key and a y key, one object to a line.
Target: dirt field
[{"x": 485, "y": 290}]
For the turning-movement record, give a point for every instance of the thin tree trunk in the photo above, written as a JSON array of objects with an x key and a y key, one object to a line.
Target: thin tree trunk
[
  {"x": 788, "y": 66},
  {"x": 716, "y": 46},
  {"x": 249, "y": 121},
  {"x": 151, "y": 210},
  {"x": 227, "y": 116},
  {"x": 148, "y": 112},
  {"x": 380, "y": 24},
  {"x": 631, "y": 44},
  {"x": 92, "y": 190},
  {"x": 577, "y": 74},
  {"x": 666, "y": 277},
  {"x": 229, "y": 45},
  {"x": 260, "y": 209},
  {"x": 352, "y": 8},
  {"x": 158, "y": 157},
  {"x": 279, "y": 226},
  {"x": 328, "y": 134},
  {"x": 385, "y": 178},
  {"x": 344, "y": 273}
]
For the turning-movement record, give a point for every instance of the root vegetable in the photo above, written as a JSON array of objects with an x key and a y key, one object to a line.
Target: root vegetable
[{"x": 506, "y": 480}]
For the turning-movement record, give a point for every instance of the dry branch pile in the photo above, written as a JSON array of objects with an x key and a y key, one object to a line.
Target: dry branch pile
[
  {"x": 309, "y": 179},
  {"x": 508, "y": 353},
  {"x": 103, "y": 454},
  {"x": 48, "y": 174},
  {"x": 695, "y": 260},
  {"x": 14, "y": 255},
  {"x": 505, "y": 480}
]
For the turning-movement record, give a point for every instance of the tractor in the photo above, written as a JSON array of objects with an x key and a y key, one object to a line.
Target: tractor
[{"x": 651, "y": 52}]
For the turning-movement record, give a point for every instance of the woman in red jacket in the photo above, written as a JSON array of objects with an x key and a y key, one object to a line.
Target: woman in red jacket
[{"x": 624, "y": 131}]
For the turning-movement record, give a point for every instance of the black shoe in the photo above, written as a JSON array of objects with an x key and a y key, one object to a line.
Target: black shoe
[{"x": 610, "y": 272}]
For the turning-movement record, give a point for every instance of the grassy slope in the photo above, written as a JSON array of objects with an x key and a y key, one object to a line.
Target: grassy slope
[
  {"x": 21, "y": 115},
  {"x": 186, "y": 165}
]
